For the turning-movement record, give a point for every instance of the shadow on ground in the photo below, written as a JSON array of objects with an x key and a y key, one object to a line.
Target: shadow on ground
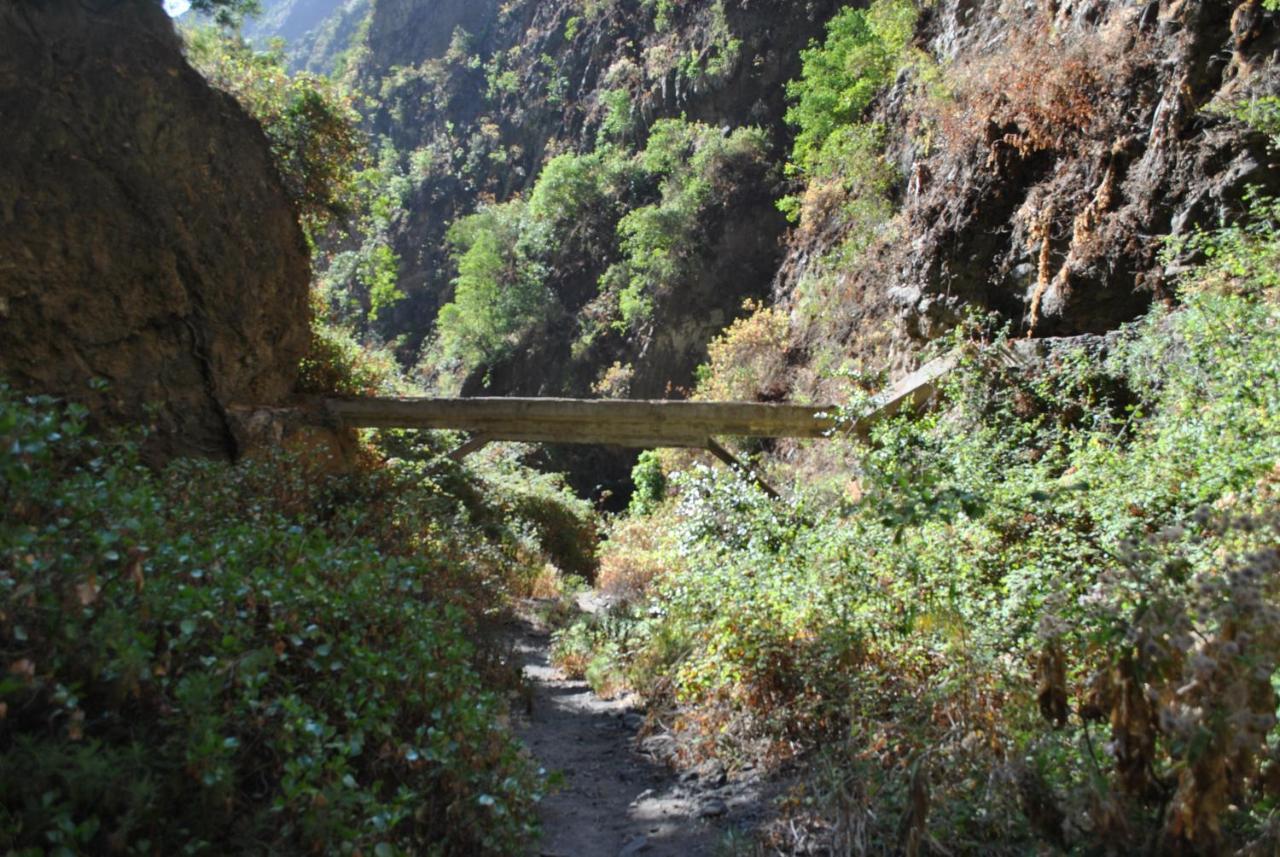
[{"x": 617, "y": 799}]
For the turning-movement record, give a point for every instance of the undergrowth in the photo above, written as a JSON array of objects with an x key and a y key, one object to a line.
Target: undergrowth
[
  {"x": 262, "y": 657},
  {"x": 1048, "y": 621}
]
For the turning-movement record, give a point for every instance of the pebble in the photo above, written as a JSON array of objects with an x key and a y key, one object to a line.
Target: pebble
[
  {"x": 710, "y": 773},
  {"x": 713, "y": 808}
]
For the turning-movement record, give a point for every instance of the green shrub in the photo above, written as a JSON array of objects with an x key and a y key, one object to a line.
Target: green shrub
[
  {"x": 1056, "y": 595},
  {"x": 227, "y": 13},
  {"x": 563, "y": 525},
  {"x": 572, "y": 192},
  {"x": 337, "y": 363},
  {"x": 599, "y": 205},
  {"x": 863, "y": 51},
  {"x": 650, "y": 483},
  {"x": 311, "y": 125},
  {"x": 241, "y": 659},
  {"x": 835, "y": 147},
  {"x": 698, "y": 167},
  {"x": 620, "y": 116},
  {"x": 499, "y": 293}
]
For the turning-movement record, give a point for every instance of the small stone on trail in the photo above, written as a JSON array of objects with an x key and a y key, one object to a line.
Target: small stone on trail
[
  {"x": 633, "y": 721},
  {"x": 661, "y": 747},
  {"x": 713, "y": 808},
  {"x": 710, "y": 773}
]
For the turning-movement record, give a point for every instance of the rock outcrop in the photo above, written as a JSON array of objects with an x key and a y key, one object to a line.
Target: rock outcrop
[
  {"x": 151, "y": 265},
  {"x": 1072, "y": 138}
]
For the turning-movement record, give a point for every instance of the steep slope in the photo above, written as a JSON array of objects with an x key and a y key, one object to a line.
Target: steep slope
[
  {"x": 151, "y": 265},
  {"x": 1037, "y": 154},
  {"x": 316, "y": 32},
  {"x": 1021, "y": 161},
  {"x": 1032, "y": 150},
  {"x": 479, "y": 96}
]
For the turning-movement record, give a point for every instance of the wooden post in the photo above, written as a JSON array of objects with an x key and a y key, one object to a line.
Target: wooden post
[
  {"x": 476, "y": 443},
  {"x": 728, "y": 458}
]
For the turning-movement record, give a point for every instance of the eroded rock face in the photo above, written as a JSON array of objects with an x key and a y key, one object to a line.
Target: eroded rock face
[
  {"x": 145, "y": 239},
  {"x": 1073, "y": 246},
  {"x": 1075, "y": 135}
]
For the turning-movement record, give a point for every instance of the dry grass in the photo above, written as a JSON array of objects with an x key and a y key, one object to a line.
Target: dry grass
[
  {"x": 748, "y": 361},
  {"x": 629, "y": 562},
  {"x": 1049, "y": 86}
]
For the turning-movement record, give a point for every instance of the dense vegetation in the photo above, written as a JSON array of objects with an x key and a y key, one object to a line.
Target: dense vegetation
[
  {"x": 261, "y": 657},
  {"x": 296, "y": 653},
  {"x": 643, "y": 212},
  {"x": 1044, "y": 612},
  {"x": 1042, "y": 616}
]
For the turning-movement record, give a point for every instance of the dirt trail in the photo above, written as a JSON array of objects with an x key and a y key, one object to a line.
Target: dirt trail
[{"x": 618, "y": 798}]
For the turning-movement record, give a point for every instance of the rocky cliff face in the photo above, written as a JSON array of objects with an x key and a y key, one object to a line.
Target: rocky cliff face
[
  {"x": 1035, "y": 181},
  {"x": 487, "y": 92},
  {"x": 1035, "y": 153},
  {"x": 315, "y": 32},
  {"x": 1069, "y": 139},
  {"x": 151, "y": 265}
]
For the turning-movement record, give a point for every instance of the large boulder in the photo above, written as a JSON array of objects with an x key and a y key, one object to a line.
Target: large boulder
[{"x": 151, "y": 265}]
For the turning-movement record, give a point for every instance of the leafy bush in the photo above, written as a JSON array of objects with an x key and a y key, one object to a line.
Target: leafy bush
[
  {"x": 591, "y": 648},
  {"x": 1048, "y": 619},
  {"x": 311, "y": 126},
  {"x": 362, "y": 279},
  {"x": 227, "y": 13},
  {"x": 863, "y": 51},
  {"x": 645, "y": 210},
  {"x": 747, "y": 359},
  {"x": 253, "y": 658},
  {"x": 698, "y": 167},
  {"x": 499, "y": 292},
  {"x": 339, "y": 185},
  {"x": 620, "y": 116},
  {"x": 650, "y": 483},
  {"x": 337, "y": 363},
  {"x": 578, "y": 198},
  {"x": 633, "y": 559},
  {"x": 562, "y": 525}
]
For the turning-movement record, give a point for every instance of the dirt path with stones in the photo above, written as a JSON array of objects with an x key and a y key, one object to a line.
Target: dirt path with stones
[{"x": 619, "y": 797}]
